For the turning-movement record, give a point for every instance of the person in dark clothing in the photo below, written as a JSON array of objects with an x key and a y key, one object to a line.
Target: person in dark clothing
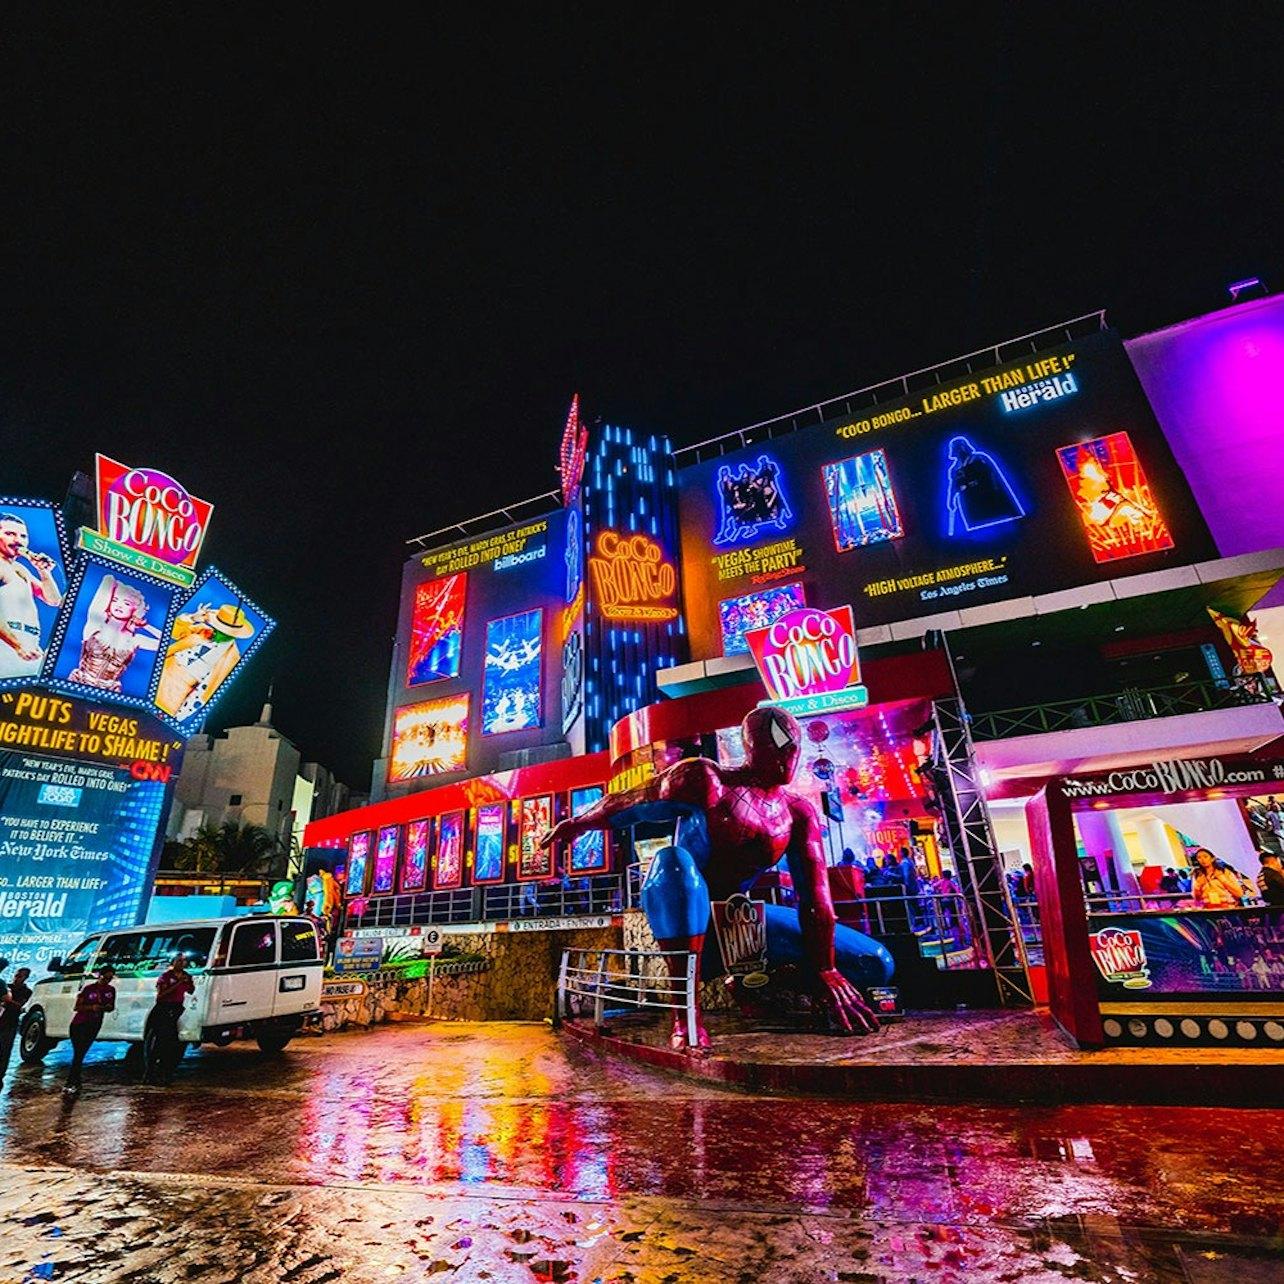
[
  {"x": 11, "y": 1005},
  {"x": 1270, "y": 880},
  {"x": 92, "y": 1004},
  {"x": 172, "y": 987}
]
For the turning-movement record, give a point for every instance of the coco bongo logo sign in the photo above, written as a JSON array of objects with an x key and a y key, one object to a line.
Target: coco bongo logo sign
[
  {"x": 1174, "y": 776},
  {"x": 1120, "y": 957},
  {"x": 808, "y": 661},
  {"x": 632, "y": 579},
  {"x": 741, "y": 925},
  {"x": 147, "y": 520}
]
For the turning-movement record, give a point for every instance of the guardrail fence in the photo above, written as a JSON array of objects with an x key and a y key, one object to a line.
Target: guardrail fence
[{"x": 606, "y": 979}]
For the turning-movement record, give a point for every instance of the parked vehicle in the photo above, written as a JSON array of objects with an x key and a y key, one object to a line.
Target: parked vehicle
[{"x": 256, "y": 977}]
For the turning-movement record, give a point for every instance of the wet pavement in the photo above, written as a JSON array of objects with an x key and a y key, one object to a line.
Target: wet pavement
[{"x": 503, "y": 1152}]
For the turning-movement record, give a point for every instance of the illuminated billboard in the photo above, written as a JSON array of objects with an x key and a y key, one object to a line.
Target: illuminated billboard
[
  {"x": 358, "y": 871},
  {"x": 33, "y": 580},
  {"x": 482, "y": 621},
  {"x": 429, "y": 739},
  {"x": 1116, "y": 505},
  {"x": 492, "y": 834},
  {"x": 414, "y": 868},
  {"x": 1029, "y": 478},
  {"x": 215, "y": 632},
  {"x": 76, "y": 849},
  {"x": 536, "y": 819},
  {"x": 385, "y": 864},
  {"x": 436, "y": 630},
  {"x": 113, "y": 626},
  {"x": 448, "y": 866},
  {"x": 862, "y": 504},
  {"x": 511, "y": 674},
  {"x": 588, "y": 850},
  {"x": 737, "y": 615}
]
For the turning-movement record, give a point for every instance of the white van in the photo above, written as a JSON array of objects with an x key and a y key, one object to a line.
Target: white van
[{"x": 257, "y": 977}]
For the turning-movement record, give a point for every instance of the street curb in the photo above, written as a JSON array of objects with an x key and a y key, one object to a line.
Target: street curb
[{"x": 1255, "y": 1085}]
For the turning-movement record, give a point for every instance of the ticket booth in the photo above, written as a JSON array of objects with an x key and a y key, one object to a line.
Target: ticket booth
[{"x": 1130, "y": 962}]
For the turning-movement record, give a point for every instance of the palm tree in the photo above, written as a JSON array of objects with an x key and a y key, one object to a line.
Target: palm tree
[{"x": 230, "y": 848}]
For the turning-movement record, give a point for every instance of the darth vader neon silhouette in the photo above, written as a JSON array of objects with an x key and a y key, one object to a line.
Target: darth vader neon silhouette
[{"x": 978, "y": 493}]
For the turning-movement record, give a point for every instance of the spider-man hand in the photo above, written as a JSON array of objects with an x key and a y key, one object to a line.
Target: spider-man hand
[{"x": 842, "y": 1001}]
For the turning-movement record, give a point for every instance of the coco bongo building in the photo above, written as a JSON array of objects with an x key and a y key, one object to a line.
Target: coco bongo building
[{"x": 1014, "y": 580}]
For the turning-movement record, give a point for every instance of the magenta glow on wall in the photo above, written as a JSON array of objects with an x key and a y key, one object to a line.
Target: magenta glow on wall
[{"x": 1217, "y": 386}]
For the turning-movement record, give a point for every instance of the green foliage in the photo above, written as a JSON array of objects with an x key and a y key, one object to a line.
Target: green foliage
[{"x": 230, "y": 848}]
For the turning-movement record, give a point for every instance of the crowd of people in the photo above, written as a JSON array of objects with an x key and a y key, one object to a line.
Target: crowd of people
[
  {"x": 162, "y": 1052},
  {"x": 928, "y": 899}
]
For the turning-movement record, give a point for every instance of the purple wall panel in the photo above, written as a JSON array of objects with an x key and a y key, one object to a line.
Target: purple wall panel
[{"x": 1217, "y": 386}]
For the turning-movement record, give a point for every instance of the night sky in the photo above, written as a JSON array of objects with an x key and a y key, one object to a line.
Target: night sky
[{"x": 341, "y": 274}]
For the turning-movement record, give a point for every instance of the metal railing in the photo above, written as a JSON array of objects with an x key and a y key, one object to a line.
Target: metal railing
[
  {"x": 942, "y": 922},
  {"x": 626, "y": 979},
  {"x": 1126, "y": 903},
  {"x": 1133, "y": 704},
  {"x": 592, "y": 895},
  {"x": 876, "y": 394}
]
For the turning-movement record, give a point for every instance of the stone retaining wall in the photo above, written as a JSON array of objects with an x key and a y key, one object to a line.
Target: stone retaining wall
[{"x": 519, "y": 983}]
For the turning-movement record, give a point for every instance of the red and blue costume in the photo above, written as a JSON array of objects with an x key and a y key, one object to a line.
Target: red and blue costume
[{"x": 733, "y": 823}]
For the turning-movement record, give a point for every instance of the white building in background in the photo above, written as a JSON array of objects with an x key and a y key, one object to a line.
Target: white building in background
[{"x": 252, "y": 776}]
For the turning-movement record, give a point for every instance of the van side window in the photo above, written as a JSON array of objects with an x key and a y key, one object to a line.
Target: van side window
[
  {"x": 299, "y": 941},
  {"x": 162, "y": 943},
  {"x": 121, "y": 951},
  {"x": 253, "y": 943}
]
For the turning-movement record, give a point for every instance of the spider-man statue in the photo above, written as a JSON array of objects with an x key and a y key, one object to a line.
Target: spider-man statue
[{"x": 733, "y": 823}]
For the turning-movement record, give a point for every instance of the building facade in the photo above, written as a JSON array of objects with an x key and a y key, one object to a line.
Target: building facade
[{"x": 1050, "y": 548}]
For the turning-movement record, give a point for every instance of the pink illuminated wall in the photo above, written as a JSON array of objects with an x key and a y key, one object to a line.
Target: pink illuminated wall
[{"x": 1217, "y": 386}]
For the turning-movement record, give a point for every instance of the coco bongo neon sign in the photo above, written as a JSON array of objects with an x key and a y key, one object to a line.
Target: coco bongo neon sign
[
  {"x": 808, "y": 661},
  {"x": 632, "y": 579},
  {"x": 147, "y": 520}
]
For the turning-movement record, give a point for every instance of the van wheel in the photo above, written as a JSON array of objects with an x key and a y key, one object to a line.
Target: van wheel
[
  {"x": 272, "y": 1043},
  {"x": 134, "y": 1058},
  {"x": 33, "y": 1042}
]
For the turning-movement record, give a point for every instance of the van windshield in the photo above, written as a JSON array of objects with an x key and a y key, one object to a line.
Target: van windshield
[
  {"x": 76, "y": 960},
  {"x": 153, "y": 949}
]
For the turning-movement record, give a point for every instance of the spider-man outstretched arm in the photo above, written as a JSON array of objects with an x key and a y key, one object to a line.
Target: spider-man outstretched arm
[{"x": 680, "y": 791}]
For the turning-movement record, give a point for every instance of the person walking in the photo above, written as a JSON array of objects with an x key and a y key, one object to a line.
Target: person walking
[
  {"x": 11, "y": 1006},
  {"x": 172, "y": 988},
  {"x": 92, "y": 1004}
]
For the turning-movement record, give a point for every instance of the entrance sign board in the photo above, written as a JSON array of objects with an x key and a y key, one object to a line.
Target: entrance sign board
[
  {"x": 808, "y": 661},
  {"x": 147, "y": 520}
]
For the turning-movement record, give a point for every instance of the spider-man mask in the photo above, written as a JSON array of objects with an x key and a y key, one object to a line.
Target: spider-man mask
[{"x": 773, "y": 741}]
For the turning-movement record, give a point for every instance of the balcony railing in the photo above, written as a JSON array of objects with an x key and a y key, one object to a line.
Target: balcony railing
[
  {"x": 595, "y": 895},
  {"x": 1134, "y": 704}
]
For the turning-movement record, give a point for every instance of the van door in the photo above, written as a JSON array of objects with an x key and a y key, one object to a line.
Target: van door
[
  {"x": 133, "y": 993},
  {"x": 245, "y": 988},
  {"x": 298, "y": 986},
  {"x": 57, "y": 993}
]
